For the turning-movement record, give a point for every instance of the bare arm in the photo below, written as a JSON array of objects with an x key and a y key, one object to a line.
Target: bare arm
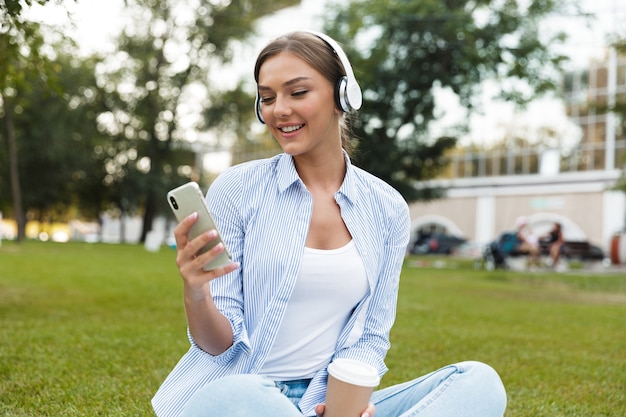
[{"x": 209, "y": 328}]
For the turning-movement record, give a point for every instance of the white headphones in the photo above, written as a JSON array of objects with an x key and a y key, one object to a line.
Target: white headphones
[{"x": 348, "y": 94}]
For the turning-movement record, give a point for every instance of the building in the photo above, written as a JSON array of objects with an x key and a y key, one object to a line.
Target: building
[{"x": 487, "y": 191}]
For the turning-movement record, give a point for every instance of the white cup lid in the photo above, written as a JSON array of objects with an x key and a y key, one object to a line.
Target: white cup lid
[{"x": 354, "y": 372}]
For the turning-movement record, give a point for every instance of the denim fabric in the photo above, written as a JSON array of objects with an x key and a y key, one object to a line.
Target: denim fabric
[
  {"x": 466, "y": 389},
  {"x": 242, "y": 396},
  {"x": 293, "y": 390}
]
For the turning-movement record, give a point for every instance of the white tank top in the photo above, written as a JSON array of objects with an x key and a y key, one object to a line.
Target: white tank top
[{"x": 330, "y": 284}]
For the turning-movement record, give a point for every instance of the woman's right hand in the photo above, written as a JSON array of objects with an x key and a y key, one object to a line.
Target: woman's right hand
[
  {"x": 190, "y": 266},
  {"x": 369, "y": 411}
]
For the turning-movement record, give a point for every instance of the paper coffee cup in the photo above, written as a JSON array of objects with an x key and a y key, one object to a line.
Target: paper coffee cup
[{"x": 350, "y": 386}]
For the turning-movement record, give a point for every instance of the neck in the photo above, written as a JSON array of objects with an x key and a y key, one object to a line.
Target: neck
[{"x": 323, "y": 173}]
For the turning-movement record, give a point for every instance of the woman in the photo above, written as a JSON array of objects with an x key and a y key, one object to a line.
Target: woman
[
  {"x": 554, "y": 240},
  {"x": 527, "y": 241},
  {"x": 319, "y": 246}
]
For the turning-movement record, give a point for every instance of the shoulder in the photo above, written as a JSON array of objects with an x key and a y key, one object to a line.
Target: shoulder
[
  {"x": 371, "y": 187},
  {"x": 235, "y": 177},
  {"x": 241, "y": 185},
  {"x": 248, "y": 169}
]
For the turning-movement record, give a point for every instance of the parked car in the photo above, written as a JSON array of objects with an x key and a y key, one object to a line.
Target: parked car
[{"x": 436, "y": 243}]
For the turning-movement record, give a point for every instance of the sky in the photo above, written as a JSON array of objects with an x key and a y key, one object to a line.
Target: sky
[{"x": 97, "y": 21}]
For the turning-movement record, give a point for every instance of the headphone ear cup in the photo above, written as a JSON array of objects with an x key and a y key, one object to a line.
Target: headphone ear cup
[
  {"x": 257, "y": 109},
  {"x": 340, "y": 94},
  {"x": 354, "y": 96},
  {"x": 348, "y": 95}
]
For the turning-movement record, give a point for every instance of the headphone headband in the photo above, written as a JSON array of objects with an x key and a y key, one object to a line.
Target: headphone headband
[
  {"x": 353, "y": 97},
  {"x": 348, "y": 94}
]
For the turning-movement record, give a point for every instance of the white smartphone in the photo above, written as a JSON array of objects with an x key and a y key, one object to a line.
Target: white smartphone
[{"x": 186, "y": 199}]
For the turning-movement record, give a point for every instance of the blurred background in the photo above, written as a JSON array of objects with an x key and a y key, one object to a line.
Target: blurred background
[{"x": 478, "y": 112}]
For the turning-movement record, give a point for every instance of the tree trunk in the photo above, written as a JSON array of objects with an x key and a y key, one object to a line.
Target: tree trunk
[
  {"x": 148, "y": 216},
  {"x": 16, "y": 189}
]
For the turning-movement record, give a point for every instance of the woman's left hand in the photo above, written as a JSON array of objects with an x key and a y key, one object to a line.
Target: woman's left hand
[{"x": 369, "y": 411}]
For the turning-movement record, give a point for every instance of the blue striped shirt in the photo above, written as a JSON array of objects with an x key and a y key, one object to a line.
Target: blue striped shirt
[{"x": 263, "y": 211}]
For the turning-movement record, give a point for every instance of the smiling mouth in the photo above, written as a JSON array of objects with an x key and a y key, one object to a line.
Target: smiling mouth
[{"x": 289, "y": 129}]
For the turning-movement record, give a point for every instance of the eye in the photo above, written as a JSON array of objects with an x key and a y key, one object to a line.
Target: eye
[
  {"x": 299, "y": 93},
  {"x": 267, "y": 100}
]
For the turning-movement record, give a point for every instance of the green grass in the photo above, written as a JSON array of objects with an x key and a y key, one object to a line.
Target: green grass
[
  {"x": 87, "y": 330},
  {"x": 558, "y": 341},
  {"x": 93, "y": 329}
]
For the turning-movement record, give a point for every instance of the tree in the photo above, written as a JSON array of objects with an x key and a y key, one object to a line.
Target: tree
[
  {"x": 403, "y": 51},
  {"x": 161, "y": 69},
  {"x": 14, "y": 8},
  {"x": 59, "y": 132},
  {"x": 236, "y": 114},
  {"x": 20, "y": 43}
]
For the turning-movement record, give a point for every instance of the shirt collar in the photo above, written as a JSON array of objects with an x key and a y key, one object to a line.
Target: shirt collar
[
  {"x": 287, "y": 175},
  {"x": 286, "y": 172},
  {"x": 348, "y": 187}
]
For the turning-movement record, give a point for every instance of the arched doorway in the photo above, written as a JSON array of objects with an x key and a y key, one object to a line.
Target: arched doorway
[{"x": 434, "y": 234}]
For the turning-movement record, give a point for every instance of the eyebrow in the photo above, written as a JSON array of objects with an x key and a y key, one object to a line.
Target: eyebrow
[{"x": 286, "y": 83}]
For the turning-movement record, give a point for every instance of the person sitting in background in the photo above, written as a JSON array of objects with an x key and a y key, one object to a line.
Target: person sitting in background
[
  {"x": 527, "y": 241},
  {"x": 554, "y": 238}
]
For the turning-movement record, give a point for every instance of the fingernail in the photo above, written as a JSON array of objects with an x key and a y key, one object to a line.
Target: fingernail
[
  {"x": 193, "y": 215},
  {"x": 211, "y": 233},
  {"x": 366, "y": 415}
]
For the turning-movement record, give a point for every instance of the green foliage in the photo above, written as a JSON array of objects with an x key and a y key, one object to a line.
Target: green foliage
[
  {"x": 105, "y": 133},
  {"x": 163, "y": 63},
  {"x": 619, "y": 43},
  {"x": 57, "y": 128},
  {"x": 20, "y": 42},
  {"x": 93, "y": 329},
  {"x": 231, "y": 114},
  {"x": 403, "y": 51},
  {"x": 14, "y": 8},
  {"x": 22, "y": 62}
]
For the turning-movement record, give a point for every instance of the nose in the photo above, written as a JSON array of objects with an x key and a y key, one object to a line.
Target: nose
[{"x": 282, "y": 108}]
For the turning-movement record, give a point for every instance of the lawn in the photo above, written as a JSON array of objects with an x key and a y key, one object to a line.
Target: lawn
[{"x": 93, "y": 329}]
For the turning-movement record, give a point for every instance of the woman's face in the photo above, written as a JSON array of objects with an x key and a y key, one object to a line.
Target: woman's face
[{"x": 297, "y": 104}]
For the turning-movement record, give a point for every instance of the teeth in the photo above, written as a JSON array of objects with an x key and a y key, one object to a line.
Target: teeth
[{"x": 289, "y": 129}]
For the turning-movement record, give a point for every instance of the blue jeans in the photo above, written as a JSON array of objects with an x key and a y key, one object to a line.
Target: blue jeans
[{"x": 466, "y": 389}]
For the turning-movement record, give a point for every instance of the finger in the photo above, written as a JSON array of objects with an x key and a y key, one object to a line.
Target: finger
[
  {"x": 319, "y": 409},
  {"x": 369, "y": 411},
  {"x": 189, "y": 253},
  {"x": 181, "y": 231},
  {"x": 223, "y": 270},
  {"x": 194, "y": 246},
  {"x": 206, "y": 256}
]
